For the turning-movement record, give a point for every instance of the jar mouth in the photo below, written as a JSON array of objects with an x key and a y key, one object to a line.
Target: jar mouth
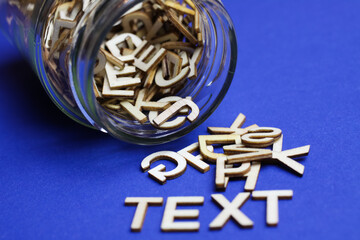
[{"x": 216, "y": 70}]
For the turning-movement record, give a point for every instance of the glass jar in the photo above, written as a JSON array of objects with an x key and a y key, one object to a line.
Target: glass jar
[{"x": 68, "y": 80}]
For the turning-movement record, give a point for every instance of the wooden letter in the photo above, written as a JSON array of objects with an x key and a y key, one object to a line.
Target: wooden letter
[
  {"x": 242, "y": 154},
  {"x": 119, "y": 79},
  {"x": 150, "y": 78},
  {"x": 96, "y": 91},
  {"x": 112, "y": 59},
  {"x": 235, "y": 127},
  {"x": 161, "y": 82},
  {"x": 222, "y": 172},
  {"x": 252, "y": 176},
  {"x": 180, "y": 26},
  {"x": 176, "y": 123},
  {"x": 253, "y": 154},
  {"x": 58, "y": 25},
  {"x": 194, "y": 62},
  {"x": 191, "y": 4},
  {"x": 177, "y": 7},
  {"x": 107, "y": 92},
  {"x": 205, "y": 140},
  {"x": 272, "y": 203},
  {"x": 141, "y": 104},
  {"x": 158, "y": 173},
  {"x": 239, "y": 121},
  {"x": 136, "y": 16},
  {"x": 101, "y": 61},
  {"x": 113, "y": 44},
  {"x": 142, "y": 204},
  {"x": 194, "y": 161},
  {"x": 261, "y": 137},
  {"x": 155, "y": 28},
  {"x": 230, "y": 210},
  {"x": 284, "y": 156},
  {"x": 175, "y": 108},
  {"x": 185, "y": 59},
  {"x": 141, "y": 55},
  {"x": 176, "y": 60},
  {"x": 171, "y": 213},
  {"x": 165, "y": 38},
  {"x": 133, "y": 111}
]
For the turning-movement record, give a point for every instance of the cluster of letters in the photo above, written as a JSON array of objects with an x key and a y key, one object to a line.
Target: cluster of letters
[{"x": 244, "y": 150}]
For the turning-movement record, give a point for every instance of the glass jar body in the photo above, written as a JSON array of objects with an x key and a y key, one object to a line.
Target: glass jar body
[{"x": 68, "y": 78}]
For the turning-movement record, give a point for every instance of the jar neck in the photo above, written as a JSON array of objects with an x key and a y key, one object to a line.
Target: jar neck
[{"x": 215, "y": 70}]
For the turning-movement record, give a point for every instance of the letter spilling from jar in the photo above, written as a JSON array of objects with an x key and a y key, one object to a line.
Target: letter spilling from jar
[{"x": 147, "y": 66}]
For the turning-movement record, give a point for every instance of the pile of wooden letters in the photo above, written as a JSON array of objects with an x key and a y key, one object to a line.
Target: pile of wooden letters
[
  {"x": 148, "y": 57},
  {"x": 244, "y": 150}
]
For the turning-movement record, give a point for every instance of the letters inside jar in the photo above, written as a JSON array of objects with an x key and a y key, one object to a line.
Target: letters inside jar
[{"x": 147, "y": 64}]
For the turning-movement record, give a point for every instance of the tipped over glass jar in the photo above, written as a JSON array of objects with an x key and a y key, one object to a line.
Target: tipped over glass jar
[{"x": 144, "y": 71}]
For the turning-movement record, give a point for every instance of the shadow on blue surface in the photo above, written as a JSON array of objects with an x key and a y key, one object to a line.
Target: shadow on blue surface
[{"x": 28, "y": 98}]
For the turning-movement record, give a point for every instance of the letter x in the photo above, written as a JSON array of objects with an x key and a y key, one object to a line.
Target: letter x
[{"x": 231, "y": 210}]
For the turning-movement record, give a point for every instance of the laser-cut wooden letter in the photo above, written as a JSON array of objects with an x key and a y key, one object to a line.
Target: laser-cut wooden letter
[
  {"x": 158, "y": 173},
  {"x": 141, "y": 204}
]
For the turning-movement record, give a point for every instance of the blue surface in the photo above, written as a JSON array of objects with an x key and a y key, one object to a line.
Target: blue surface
[{"x": 298, "y": 69}]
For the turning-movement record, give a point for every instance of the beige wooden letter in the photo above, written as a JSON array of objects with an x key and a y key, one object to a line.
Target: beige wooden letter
[
  {"x": 284, "y": 156},
  {"x": 243, "y": 154},
  {"x": 155, "y": 28},
  {"x": 194, "y": 161},
  {"x": 176, "y": 123},
  {"x": 175, "y": 108},
  {"x": 230, "y": 210},
  {"x": 136, "y": 16},
  {"x": 165, "y": 38},
  {"x": 133, "y": 111},
  {"x": 239, "y": 121},
  {"x": 158, "y": 173},
  {"x": 222, "y": 172},
  {"x": 185, "y": 59},
  {"x": 58, "y": 25},
  {"x": 224, "y": 130},
  {"x": 141, "y": 56},
  {"x": 180, "y": 26},
  {"x": 261, "y": 137},
  {"x": 252, "y": 176},
  {"x": 113, "y": 44},
  {"x": 176, "y": 73},
  {"x": 235, "y": 127},
  {"x": 194, "y": 60},
  {"x": 141, "y": 204},
  {"x": 205, "y": 140},
  {"x": 171, "y": 213},
  {"x": 108, "y": 92},
  {"x": 141, "y": 104},
  {"x": 112, "y": 59},
  {"x": 272, "y": 203},
  {"x": 191, "y": 4},
  {"x": 161, "y": 82},
  {"x": 178, "y": 8},
  {"x": 100, "y": 63},
  {"x": 119, "y": 78}
]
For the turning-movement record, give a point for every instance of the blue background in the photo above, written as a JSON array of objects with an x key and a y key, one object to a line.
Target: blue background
[{"x": 298, "y": 69}]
